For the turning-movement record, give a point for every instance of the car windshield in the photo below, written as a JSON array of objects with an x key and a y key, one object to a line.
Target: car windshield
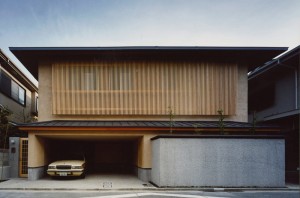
[{"x": 71, "y": 156}]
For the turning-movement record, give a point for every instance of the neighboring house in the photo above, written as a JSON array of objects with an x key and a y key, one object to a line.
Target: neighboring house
[
  {"x": 110, "y": 102},
  {"x": 19, "y": 95},
  {"x": 17, "y": 92},
  {"x": 274, "y": 97}
]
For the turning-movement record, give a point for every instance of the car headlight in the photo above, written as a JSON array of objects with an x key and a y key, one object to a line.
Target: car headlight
[
  {"x": 51, "y": 167},
  {"x": 76, "y": 167}
]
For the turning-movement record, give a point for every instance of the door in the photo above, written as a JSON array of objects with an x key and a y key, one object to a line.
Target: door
[{"x": 23, "y": 163}]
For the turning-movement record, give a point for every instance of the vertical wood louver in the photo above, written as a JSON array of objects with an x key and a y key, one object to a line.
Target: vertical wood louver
[{"x": 143, "y": 88}]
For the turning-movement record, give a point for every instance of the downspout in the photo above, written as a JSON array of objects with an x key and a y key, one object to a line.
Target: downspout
[
  {"x": 296, "y": 87},
  {"x": 296, "y": 81}
]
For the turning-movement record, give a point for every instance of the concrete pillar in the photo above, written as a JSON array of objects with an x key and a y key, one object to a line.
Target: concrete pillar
[
  {"x": 143, "y": 170},
  {"x": 14, "y": 156},
  {"x": 36, "y": 157}
]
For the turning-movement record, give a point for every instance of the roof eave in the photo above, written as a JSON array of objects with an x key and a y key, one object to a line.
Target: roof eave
[
  {"x": 12, "y": 68},
  {"x": 30, "y": 56},
  {"x": 275, "y": 62}
]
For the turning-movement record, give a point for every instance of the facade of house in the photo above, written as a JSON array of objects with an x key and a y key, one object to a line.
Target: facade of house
[
  {"x": 17, "y": 92},
  {"x": 19, "y": 95},
  {"x": 109, "y": 102},
  {"x": 274, "y": 97}
]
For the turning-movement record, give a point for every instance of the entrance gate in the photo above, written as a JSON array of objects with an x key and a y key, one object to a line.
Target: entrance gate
[{"x": 23, "y": 162}]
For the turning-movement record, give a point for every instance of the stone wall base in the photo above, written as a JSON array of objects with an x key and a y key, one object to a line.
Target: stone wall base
[
  {"x": 4, "y": 172},
  {"x": 36, "y": 173},
  {"x": 143, "y": 174}
]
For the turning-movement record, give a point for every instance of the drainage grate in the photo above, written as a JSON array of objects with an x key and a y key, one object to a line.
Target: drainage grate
[
  {"x": 107, "y": 184},
  {"x": 147, "y": 185}
]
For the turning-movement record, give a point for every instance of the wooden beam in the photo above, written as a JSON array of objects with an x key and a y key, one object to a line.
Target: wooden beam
[{"x": 142, "y": 129}]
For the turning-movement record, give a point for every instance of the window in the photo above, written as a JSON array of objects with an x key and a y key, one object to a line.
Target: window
[
  {"x": 14, "y": 91},
  {"x": 11, "y": 89},
  {"x": 120, "y": 79},
  {"x": 89, "y": 81},
  {"x": 21, "y": 96},
  {"x": 5, "y": 84}
]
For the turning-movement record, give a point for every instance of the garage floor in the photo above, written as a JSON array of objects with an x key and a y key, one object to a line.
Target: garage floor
[{"x": 91, "y": 182}]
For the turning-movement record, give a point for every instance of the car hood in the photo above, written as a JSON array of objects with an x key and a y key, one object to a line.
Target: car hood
[{"x": 67, "y": 162}]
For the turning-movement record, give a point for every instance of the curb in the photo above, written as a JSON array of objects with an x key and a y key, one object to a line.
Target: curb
[{"x": 155, "y": 189}]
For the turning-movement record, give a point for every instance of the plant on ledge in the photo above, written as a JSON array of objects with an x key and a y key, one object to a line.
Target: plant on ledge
[
  {"x": 221, "y": 121},
  {"x": 197, "y": 129},
  {"x": 171, "y": 114}
]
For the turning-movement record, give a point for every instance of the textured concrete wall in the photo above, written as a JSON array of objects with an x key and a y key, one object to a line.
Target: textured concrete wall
[
  {"x": 218, "y": 162},
  {"x": 36, "y": 173},
  {"x": 242, "y": 96},
  {"x": 4, "y": 157},
  {"x": 4, "y": 168},
  {"x": 4, "y": 172},
  {"x": 45, "y": 89},
  {"x": 143, "y": 174},
  {"x": 14, "y": 154}
]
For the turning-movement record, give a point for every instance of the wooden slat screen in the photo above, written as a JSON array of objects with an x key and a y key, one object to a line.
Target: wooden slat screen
[
  {"x": 23, "y": 163},
  {"x": 143, "y": 88}
]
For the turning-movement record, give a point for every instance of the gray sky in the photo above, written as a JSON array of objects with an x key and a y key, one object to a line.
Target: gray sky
[{"x": 44, "y": 23}]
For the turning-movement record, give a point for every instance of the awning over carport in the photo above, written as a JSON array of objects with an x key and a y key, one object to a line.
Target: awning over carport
[{"x": 177, "y": 126}]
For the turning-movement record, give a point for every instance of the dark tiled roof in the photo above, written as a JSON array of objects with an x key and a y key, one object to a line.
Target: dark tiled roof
[{"x": 143, "y": 124}]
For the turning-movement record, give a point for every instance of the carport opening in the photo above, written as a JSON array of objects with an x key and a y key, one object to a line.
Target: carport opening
[{"x": 102, "y": 156}]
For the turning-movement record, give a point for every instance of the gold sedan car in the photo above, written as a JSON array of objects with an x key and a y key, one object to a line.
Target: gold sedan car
[{"x": 70, "y": 165}]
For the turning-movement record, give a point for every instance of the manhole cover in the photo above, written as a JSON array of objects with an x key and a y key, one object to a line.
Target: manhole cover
[{"x": 107, "y": 185}]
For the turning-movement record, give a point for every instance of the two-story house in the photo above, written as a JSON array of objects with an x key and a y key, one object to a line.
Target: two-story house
[
  {"x": 17, "y": 92},
  {"x": 19, "y": 95},
  {"x": 274, "y": 97},
  {"x": 109, "y": 102}
]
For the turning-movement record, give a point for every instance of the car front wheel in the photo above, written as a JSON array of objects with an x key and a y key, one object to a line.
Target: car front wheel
[{"x": 82, "y": 176}]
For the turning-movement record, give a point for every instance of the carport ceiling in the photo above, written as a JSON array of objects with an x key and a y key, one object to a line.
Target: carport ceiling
[{"x": 90, "y": 137}]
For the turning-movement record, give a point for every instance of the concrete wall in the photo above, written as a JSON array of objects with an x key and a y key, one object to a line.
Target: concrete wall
[
  {"x": 36, "y": 173},
  {"x": 4, "y": 165},
  {"x": 143, "y": 174},
  {"x": 45, "y": 102},
  {"x": 4, "y": 172},
  {"x": 219, "y": 162},
  {"x": 14, "y": 156}
]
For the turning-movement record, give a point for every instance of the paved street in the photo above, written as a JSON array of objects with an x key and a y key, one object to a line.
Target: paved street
[{"x": 147, "y": 194}]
